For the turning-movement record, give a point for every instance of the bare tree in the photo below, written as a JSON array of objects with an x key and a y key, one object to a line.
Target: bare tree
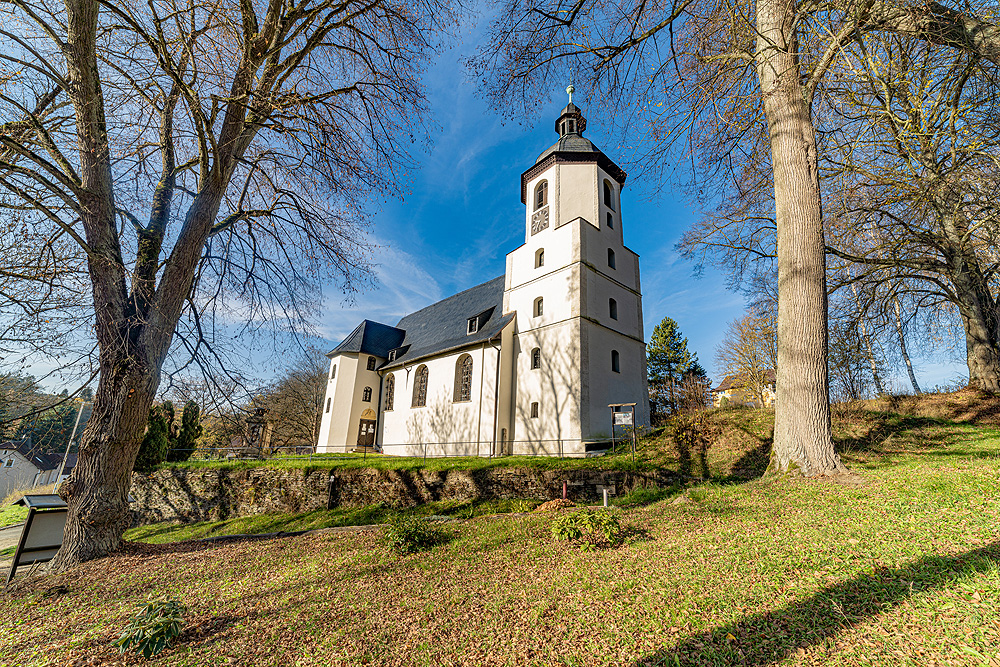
[
  {"x": 740, "y": 81},
  {"x": 748, "y": 353},
  {"x": 212, "y": 162},
  {"x": 295, "y": 402}
]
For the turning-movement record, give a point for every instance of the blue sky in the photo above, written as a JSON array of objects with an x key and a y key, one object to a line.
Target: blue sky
[{"x": 463, "y": 214}]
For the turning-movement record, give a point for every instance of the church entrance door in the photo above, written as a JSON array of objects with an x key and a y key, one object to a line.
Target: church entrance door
[{"x": 366, "y": 433}]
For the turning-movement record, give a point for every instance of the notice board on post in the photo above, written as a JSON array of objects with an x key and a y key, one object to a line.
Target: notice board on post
[{"x": 42, "y": 534}]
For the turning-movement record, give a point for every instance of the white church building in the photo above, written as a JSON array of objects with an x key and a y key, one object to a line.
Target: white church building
[{"x": 526, "y": 363}]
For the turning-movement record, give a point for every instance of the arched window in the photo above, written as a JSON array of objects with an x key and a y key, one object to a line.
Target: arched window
[
  {"x": 540, "y": 257},
  {"x": 328, "y": 402},
  {"x": 333, "y": 371},
  {"x": 366, "y": 395},
  {"x": 534, "y": 410},
  {"x": 390, "y": 391},
  {"x": 615, "y": 362},
  {"x": 420, "y": 388},
  {"x": 541, "y": 194},
  {"x": 538, "y": 308},
  {"x": 613, "y": 309},
  {"x": 536, "y": 358},
  {"x": 609, "y": 199},
  {"x": 611, "y": 258},
  {"x": 371, "y": 363},
  {"x": 611, "y": 221},
  {"x": 463, "y": 378}
]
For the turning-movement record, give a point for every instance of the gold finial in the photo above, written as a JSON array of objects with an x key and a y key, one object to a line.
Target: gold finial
[{"x": 569, "y": 91}]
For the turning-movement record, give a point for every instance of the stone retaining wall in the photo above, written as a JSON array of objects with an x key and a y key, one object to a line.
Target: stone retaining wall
[{"x": 210, "y": 494}]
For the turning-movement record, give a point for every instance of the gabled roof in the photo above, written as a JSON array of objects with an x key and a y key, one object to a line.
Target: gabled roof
[
  {"x": 443, "y": 326},
  {"x": 41, "y": 460},
  {"x": 371, "y": 338}
]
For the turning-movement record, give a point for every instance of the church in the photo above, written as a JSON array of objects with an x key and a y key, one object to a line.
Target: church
[{"x": 527, "y": 363}]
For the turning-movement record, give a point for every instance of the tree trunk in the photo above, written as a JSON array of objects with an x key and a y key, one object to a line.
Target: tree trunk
[
  {"x": 802, "y": 433},
  {"x": 876, "y": 377},
  {"x": 97, "y": 490},
  {"x": 902, "y": 349}
]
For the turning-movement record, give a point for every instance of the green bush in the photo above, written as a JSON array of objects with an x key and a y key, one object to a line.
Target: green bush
[
  {"x": 408, "y": 534},
  {"x": 156, "y": 625},
  {"x": 155, "y": 443},
  {"x": 590, "y": 529}
]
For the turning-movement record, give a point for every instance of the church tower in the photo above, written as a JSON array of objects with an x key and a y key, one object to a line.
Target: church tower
[{"x": 578, "y": 343}]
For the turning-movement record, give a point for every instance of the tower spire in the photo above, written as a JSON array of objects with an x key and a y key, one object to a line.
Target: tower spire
[{"x": 569, "y": 91}]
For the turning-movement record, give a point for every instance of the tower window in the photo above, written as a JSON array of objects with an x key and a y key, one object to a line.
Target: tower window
[
  {"x": 534, "y": 410},
  {"x": 538, "y": 308},
  {"x": 540, "y": 258},
  {"x": 609, "y": 199},
  {"x": 615, "y": 362},
  {"x": 463, "y": 379},
  {"x": 420, "y": 388},
  {"x": 611, "y": 258},
  {"x": 371, "y": 363},
  {"x": 333, "y": 371},
  {"x": 390, "y": 391},
  {"x": 613, "y": 309},
  {"x": 328, "y": 402},
  {"x": 366, "y": 395},
  {"x": 536, "y": 358},
  {"x": 541, "y": 194},
  {"x": 611, "y": 221}
]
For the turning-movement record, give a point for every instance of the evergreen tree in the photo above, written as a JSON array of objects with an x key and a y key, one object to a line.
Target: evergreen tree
[
  {"x": 668, "y": 363},
  {"x": 183, "y": 445},
  {"x": 153, "y": 450}
]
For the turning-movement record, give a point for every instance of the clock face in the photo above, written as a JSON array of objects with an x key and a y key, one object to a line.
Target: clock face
[{"x": 539, "y": 220}]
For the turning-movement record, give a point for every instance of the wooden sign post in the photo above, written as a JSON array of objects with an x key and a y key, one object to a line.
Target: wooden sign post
[{"x": 42, "y": 534}]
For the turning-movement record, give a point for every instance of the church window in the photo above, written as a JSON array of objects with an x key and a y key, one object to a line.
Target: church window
[
  {"x": 613, "y": 309},
  {"x": 333, "y": 371},
  {"x": 328, "y": 402},
  {"x": 541, "y": 194},
  {"x": 538, "y": 309},
  {"x": 611, "y": 258},
  {"x": 371, "y": 363},
  {"x": 536, "y": 358},
  {"x": 540, "y": 258},
  {"x": 534, "y": 410},
  {"x": 473, "y": 325},
  {"x": 609, "y": 200},
  {"x": 366, "y": 395},
  {"x": 420, "y": 388},
  {"x": 615, "y": 361},
  {"x": 611, "y": 221},
  {"x": 390, "y": 391},
  {"x": 463, "y": 379}
]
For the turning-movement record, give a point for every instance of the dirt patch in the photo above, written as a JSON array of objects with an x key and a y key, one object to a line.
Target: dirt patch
[{"x": 555, "y": 505}]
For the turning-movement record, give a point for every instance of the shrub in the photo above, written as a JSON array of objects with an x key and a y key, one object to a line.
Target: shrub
[
  {"x": 589, "y": 529},
  {"x": 156, "y": 441},
  {"x": 156, "y": 625},
  {"x": 408, "y": 534}
]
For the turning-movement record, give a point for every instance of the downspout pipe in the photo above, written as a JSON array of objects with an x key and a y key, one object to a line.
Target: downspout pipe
[{"x": 496, "y": 397}]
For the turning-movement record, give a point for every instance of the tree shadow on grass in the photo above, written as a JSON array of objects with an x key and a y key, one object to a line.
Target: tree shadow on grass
[{"x": 767, "y": 638}]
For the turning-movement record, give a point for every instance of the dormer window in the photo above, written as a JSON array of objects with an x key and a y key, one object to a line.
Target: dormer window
[
  {"x": 541, "y": 194},
  {"x": 392, "y": 355},
  {"x": 476, "y": 323},
  {"x": 473, "y": 325}
]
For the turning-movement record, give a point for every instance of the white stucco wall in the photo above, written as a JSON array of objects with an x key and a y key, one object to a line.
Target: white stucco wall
[
  {"x": 443, "y": 426},
  {"x": 20, "y": 474},
  {"x": 340, "y": 424}
]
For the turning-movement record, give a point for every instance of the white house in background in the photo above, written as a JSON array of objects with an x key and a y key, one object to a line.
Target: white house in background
[
  {"x": 23, "y": 468},
  {"x": 526, "y": 363}
]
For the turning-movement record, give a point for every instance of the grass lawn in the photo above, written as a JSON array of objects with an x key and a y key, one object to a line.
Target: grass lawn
[
  {"x": 12, "y": 514},
  {"x": 900, "y": 571}
]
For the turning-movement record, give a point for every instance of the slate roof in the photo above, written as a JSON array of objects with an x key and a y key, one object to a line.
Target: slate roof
[
  {"x": 371, "y": 338},
  {"x": 443, "y": 326},
  {"x": 41, "y": 460},
  {"x": 571, "y": 143}
]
